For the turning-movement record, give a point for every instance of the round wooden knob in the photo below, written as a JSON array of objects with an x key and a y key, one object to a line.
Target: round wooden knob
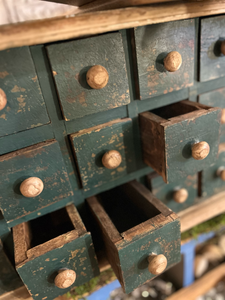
[
  {"x": 222, "y": 174},
  {"x": 65, "y": 279},
  {"x": 157, "y": 264},
  {"x": 3, "y": 99},
  {"x": 31, "y": 187},
  {"x": 200, "y": 150},
  {"x": 223, "y": 116},
  {"x": 111, "y": 159},
  {"x": 173, "y": 61},
  {"x": 222, "y": 47},
  {"x": 180, "y": 195},
  {"x": 97, "y": 77}
]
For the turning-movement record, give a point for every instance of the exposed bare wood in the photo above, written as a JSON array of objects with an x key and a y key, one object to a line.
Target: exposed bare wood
[
  {"x": 76, "y": 219},
  {"x": 20, "y": 243},
  {"x": 62, "y": 28}
]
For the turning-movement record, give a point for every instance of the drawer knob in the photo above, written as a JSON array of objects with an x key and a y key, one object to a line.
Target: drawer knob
[
  {"x": 180, "y": 195},
  {"x": 222, "y": 173},
  {"x": 111, "y": 159},
  {"x": 173, "y": 61},
  {"x": 3, "y": 99},
  {"x": 97, "y": 77},
  {"x": 223, "y": 116},
  {"x": 222, "y": 48},
  {"x": 65, "y": 279},
  {"x": 31, "y": 187},
  {"x": 200, "y": 150},
  {"x": 157, "y": 263}
]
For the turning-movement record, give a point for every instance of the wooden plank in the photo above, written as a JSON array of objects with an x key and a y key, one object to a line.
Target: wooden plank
[
  {"x": 200, "y": 286},
  {"x": 76, "y": 219},
  {"x": 20, "y": 245},
  {"x": 202, "y": 212},
  {"x": 61, "y": 28}
]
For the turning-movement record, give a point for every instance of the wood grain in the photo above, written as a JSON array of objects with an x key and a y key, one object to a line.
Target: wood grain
[{"x": 43, "y": 31}]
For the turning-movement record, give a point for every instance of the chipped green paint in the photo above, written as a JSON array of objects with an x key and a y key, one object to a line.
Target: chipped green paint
[
  {"x": 164, "y": 192},
  {"x": 25, "y": 107},
  {"x": 43, "y": 161},
  {"x": 91, "y": 146},
  {"x": 153, "y": 43},
  {"x": 70, "y": 62},
  {"x": 39, "y": 273}
]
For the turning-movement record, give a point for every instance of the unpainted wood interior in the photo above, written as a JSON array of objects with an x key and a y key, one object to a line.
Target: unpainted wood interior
[{"x": 124, "y": 213}]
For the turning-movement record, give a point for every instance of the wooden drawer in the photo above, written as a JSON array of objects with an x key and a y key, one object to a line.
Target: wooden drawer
[
  {"x": 19, "y": 86},
  {"x": 177, "y": 196},
  {"x": 213, "y": 178},
  {"x": 71, "y": 64},
  {"x": 216, "y": 99},
  {"x": 111, "y": 143},
  {"x": 136, "y": 227},
  {"x": 212, "y": 60},
  {"x": 180, "y": 139},
  {"x": 154, "y": 44},
  {"x": 27, "y": 172},
  {"x": 9, "y": 279},
  {"x": 54, "y": 253}
]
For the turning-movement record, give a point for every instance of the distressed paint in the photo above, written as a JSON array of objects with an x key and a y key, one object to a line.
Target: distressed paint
[
  {"x": 153, "y": 43},
  {"x": 42, "y": 160},
  {"x": 212, "y": 62},
  {"x": 164, "y": 192},
  {"x": 25, "y": 107},
  {"x": 91, "y": 145},
  {"x": 70, "y": 62},
  {"x": 39, "y": 273}
]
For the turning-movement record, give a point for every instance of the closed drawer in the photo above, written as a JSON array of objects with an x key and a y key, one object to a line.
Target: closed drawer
[
  {"x": 141, "y": 235},
  {"x": 177, "y": 196},
  {"x": 165, "y": 57},
  {"x": 54, "y": 253},
  {"x": 212, "y": 59},
  {"x": 21, "y": 102},
  {"x": 104, "y": 153},
  {"x": 31, "y": 179},
  {"x": 216, "y": 99},
  {"x": 180, "y": 139},
  {"x": 213, "y": 178},
  {"x": 90, "y": 75}
]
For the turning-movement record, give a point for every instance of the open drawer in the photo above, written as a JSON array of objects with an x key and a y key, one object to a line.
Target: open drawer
[
  {"x": 141, "y": 235},
  {"x": 54, "y": 253}
]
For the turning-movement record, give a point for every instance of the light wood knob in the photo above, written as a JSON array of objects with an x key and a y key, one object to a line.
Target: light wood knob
[
  {"x": 223, "y": 116},
  {"x": 31, "y": 187},
  {"x": 111, "y": 159},
  {"x": 173, "y": 61},
  {"x": 3, "y": 99},
  {"x": 97, "y": 77},
  {"x": 222, "y": 174},
  {"x": 200, "y": 150},
  {"x": 222, "y": 47},
  {"x": 157, "y": 263},
  {"x": 65, "y": 279},
  {"x": 180, "y": 195}
]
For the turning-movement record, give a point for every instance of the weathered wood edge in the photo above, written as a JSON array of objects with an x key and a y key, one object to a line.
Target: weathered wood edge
[{"x": 62, "y": 28}]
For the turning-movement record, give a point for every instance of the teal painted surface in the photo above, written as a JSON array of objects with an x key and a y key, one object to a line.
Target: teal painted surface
[
  {"x": 25, "y": 104},
  {"x": 39, "y": 273},
  {"x": 90, "y": 147},
  {"x": 44, "y": 161},
  {"x": 153, "y": 43},
  {"x": 164, "y": 192},
  {"x": 133, "y": 256},
  {"x": 212, "y": 62},
  {"x": 70, "y": 62},
  {"x": 180, "y": 136}
]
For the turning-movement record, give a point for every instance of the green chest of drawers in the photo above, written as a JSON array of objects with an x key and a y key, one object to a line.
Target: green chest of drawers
[{"x": 85, "y": 120}]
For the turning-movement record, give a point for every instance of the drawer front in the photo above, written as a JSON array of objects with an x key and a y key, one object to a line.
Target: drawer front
[
  {"x": 90, "y": 146},
  {"x": 170, "y": 194},
  {"x": 212, "y": 61},
  {"x": 70, "y": 63},
  {"x": 216, "y": 99},
  {"x": 212, "y": 179},
  {"x": 44, "y": 161},
  {"x": 153, "y": 43},
  {"x": 25, "y": 108}
]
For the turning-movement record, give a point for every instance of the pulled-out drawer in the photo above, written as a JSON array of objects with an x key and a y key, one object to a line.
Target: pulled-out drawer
[
  {"x": 141, "y": 235},
  {"x": 54, "y": 253}
]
